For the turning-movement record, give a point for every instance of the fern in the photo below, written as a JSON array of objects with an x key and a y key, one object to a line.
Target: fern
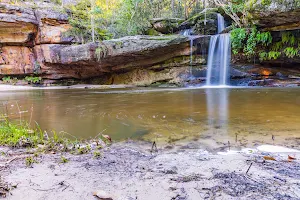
[
  {"x": 238, "y": 37},
  {"x": 290, "y": 52},
  {"x": 263, "y": 56},
  {"x": 276, "y": 46},
  {"x": 273, "y": 55}
]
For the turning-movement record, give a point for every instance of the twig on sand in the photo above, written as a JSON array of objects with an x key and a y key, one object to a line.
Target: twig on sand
[
  {"x": 249, "y": 168},
  {"x": 152, "y": 148},
  {"x": 8, "y": 162}
]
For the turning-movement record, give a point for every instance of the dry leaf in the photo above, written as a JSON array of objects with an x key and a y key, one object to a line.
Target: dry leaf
[
  {"x": 269, "y": 158},
  {"x": 102, "y": 195},
  {"x": 291, "y": 158},
  {"x": 107, "y": 137}
]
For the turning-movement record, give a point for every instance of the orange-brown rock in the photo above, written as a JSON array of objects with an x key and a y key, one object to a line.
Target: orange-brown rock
[
  {"x": 53, "y": 26},
  {"x": 17, "y": 25},
  {"x": 16, "y": 60}
]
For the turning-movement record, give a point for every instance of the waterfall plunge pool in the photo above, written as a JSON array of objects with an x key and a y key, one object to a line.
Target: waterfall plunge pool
[{"x": 209, "y": 117}]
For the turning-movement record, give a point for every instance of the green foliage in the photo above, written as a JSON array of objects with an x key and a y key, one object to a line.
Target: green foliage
[
  {"x": 97, "y": 154},
  {"x": 22, "y": 135},
  {"x": 101, "y": 52},
  {"x": 6, "y": 79},
  {"x": 277, "y": 46},
  {"x": 238, "y": 37},
  {"x": 266, "y": 2},
  {"x": 132, "y": 18},
  {"x": 34, "y": 80},
  {"x": 289, "y": 46},
  {"x": 251, "y": 43},
  {"x": 15, "y": 135},
  {"x": 247, "y": 41},
  {"x": 83, "y": 149},
  {"x": 63, "y": 159},
  {"x": 265, "y": 38},
  {"x": 117, "y": 18},
  {"x": 271, "y": 55},
  {"x": 291, "y": 52},
  {"x": 80, "y": 20},
  {"x": 59, "y": 2},
  {"x": 29, "y": 161},
  {"x": 10, "y": 80}
]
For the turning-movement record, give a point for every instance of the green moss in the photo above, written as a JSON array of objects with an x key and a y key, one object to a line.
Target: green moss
[
  {"x": 152, "y": 32},
  {"x": 169, "y": 37},
  {"x": 266, "y": 2}
]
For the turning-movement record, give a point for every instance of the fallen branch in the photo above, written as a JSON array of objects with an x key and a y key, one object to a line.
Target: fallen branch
[{"x": 249, "y": 168}]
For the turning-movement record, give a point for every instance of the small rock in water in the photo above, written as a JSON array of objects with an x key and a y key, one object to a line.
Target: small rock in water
[{"x": 102, "y": 195}]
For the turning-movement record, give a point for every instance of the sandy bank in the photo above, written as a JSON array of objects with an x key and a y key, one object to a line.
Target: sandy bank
[
  {"x": 129, "y": 171},
  {"x": 82, "y": 86}
]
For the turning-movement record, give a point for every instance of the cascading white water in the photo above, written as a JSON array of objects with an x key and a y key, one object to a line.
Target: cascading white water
[
  {"x": 221, "y": 23},
  {"x": 188, "y": 33},
  {"x": 218, "y": 57}
]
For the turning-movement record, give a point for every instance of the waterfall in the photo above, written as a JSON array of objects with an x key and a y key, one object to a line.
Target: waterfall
[
  {"x": 221, "y": 23},
  {"x": 191, "y": 55},
  {"x": 188, "y": 33},
  {"x": 218, "y": 57}
]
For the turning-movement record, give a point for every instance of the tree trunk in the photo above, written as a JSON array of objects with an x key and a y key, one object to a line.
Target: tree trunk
[{"x": 92, "y": 19}]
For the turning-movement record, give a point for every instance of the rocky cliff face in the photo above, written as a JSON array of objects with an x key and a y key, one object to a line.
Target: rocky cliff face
[
  {"x": 22, "y": 29},
  {"x": 33, "y": 41},
  {"x": 277, "y": 15},
  {"x": 107, "y": 57}
]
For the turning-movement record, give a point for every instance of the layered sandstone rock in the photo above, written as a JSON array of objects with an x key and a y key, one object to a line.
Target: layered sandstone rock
[
  {"x": 16, "y": 60},
  {"x": 277, "y": 15},
  {"x": 17, "y": 25},
  {"x": 112, "y": 56},
  {"x": 53, "y": 26}
]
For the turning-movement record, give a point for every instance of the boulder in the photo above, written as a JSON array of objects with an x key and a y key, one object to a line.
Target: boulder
[
  {"x": 166, "y": 25},
  {"x": 204, "y": 23},
  {"x": 276, "y": 15},
  {"x": 108, "y": 57}
]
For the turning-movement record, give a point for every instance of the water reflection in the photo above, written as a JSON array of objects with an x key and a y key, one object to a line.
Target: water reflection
[
  {"x": 169, "y": 115},
  {"x": 217, "y": 108}
]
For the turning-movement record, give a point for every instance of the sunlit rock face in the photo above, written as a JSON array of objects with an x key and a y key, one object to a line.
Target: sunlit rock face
[
  {"x": 16, "y": 60},
  {"x": 22, "y": 31},
  {"x": 17, "y": 25},
  {"x": 53, "y": 26},
  {"x": 276, "y": 15}
]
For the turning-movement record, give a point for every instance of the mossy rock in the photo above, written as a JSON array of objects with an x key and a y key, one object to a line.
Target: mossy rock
[
  {"x": 210, "y": 28},
  {"x": 152, "y": 32},
  {"x": 166, "y": 25},
  {"x": 211, "y": 13}
]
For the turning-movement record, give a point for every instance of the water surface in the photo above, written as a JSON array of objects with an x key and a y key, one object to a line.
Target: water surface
[{"x": 242, "y": 116}]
